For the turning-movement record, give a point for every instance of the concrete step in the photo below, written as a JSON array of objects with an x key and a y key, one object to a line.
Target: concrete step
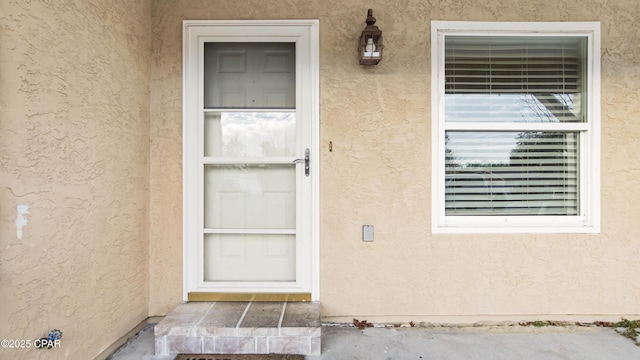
[{"x": 240, "y": 328}]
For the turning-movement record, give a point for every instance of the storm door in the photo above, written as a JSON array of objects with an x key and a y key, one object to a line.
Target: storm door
[{"x": 252, "y": 136}]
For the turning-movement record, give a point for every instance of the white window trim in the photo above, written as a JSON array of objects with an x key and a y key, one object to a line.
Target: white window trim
[
  {"x": 194, "y": 31},
  {"x": 588, "y": 221}
]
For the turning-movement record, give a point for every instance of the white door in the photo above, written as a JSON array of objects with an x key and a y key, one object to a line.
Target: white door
[{"x": 250, "y": 138}]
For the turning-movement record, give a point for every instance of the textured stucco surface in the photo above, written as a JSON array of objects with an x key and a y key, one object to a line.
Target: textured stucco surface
[
  {"x": 91, "y": 171},
  {"x": 74, "y": 148},
  {"x": 379, "y": 171}
]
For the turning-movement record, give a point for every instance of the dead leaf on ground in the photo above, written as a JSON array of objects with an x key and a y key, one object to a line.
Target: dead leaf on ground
[{"x": 361, "y": 324}]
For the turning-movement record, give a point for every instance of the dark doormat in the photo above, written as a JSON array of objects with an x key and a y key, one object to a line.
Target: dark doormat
[{"x": 238, "y": 357}]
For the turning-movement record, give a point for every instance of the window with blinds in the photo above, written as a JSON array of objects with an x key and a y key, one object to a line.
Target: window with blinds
[
  {"x": 512, "y": 79},
  {"x": 511, "y": 173},
  {"x": 513, "y": 124}
]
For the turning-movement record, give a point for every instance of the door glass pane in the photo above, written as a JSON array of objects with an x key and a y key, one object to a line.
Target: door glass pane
[
  {"x": 249, "y": 112},
  {"x": 249, "y": 75},
  {"x": 249, "y": 134},
  {"x": 249, "y": 257},
  {"x": 249, "y": 196}
]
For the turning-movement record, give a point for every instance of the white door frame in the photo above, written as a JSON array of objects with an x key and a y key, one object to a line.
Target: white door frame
[{"x": 306, "y": 35}]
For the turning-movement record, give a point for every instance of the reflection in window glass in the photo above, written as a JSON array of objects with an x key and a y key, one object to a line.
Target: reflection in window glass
[
  {"x": 525, "y": 108},
  {"x": 250, "y": 134},
  {"x": 511, "y": 173}
]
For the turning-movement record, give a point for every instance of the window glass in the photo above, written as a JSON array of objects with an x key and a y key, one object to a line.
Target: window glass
[
  {"x": 249, "y": 75},
  {"x": 511, "y": 173},
  {"x": 249, "y": 134},
  {"x": 514, "y": 79},
  {"x": 515, "y": 127}
]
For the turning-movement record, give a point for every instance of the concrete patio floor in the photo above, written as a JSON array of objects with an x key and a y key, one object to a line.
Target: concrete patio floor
[{"x": 473, "y": 342}]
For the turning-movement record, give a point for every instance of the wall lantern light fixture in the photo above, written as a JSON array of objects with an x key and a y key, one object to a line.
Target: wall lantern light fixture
[{"x": 370, "y": 45}]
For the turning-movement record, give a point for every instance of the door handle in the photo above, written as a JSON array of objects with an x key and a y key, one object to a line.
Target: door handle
[{"x": 306, "y": 162}]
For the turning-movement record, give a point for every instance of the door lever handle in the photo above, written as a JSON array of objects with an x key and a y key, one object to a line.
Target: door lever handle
[{"x": 306, "y": 162}]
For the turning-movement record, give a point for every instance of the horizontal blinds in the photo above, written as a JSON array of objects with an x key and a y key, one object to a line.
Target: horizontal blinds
[
  {"x": 549, "y": 70},
  {"x": 513, "y": 64},
  {"x": 509, "y": 173}
]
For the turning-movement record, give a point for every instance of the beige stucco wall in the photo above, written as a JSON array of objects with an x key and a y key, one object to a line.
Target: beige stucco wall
[
  {"x": 74, "y": 149},
  {"x": 379, "y": 171},
  {"x": 91, "y": 143}
]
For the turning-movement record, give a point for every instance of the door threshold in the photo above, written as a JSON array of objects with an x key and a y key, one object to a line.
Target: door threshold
[{"x": 218, "y": 296}]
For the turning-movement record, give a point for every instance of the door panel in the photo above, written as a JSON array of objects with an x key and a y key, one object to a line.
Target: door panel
[
  {"x": 249, "y": 75},
  {"x": 249, "y": 257},
  {"x": 249, "y": 208},
  {"x": 250, "y": 197}
]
